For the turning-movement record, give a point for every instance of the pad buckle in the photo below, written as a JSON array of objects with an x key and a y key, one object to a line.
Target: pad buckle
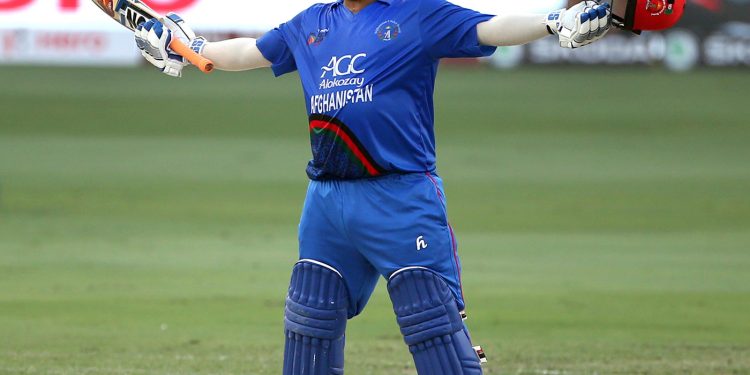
[{"x": 480, "y": 354}]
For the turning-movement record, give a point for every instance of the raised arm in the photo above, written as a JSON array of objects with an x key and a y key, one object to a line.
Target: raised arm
[
  {"x": 153, "y": 39},
  {"x": 512, "y": 29},
  {"x": 582, "y": 24},
  {"x": 235, "y": 54}
]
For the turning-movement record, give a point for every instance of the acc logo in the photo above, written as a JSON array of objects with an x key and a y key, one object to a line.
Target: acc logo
[
  {"x": 314, "y": 39},
  {"x": 388, "y": 30},
  {"x": 343, "y": 66}
]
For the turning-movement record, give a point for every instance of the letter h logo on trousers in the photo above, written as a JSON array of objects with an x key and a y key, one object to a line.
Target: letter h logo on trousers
[{"x": 421, "y": 243}]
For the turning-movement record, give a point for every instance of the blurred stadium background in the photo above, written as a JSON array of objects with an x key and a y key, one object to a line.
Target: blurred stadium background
[{"x": 148, "y": 225}]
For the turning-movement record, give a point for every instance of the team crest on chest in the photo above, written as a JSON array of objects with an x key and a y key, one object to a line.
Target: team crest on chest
[
  {"x": 314, "y": 39},
  {"x": 388, "y": 30}
]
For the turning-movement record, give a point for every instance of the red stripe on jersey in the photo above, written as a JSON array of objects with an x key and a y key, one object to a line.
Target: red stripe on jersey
[{"x": 340, "y": 133}]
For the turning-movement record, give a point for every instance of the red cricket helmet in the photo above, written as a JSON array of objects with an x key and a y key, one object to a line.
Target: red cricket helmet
[{"x": 639, "y": 15}]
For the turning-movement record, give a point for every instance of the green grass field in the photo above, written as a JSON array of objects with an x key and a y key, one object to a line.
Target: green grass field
[{"x": 148, "y": 225}]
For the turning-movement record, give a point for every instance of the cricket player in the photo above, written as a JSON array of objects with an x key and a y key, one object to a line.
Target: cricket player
[{"x": 375, "y": 204}]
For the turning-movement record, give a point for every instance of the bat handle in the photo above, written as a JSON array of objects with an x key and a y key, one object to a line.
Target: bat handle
[{"x": 202, "y": 63}]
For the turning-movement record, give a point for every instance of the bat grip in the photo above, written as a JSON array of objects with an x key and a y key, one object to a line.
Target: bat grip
[{"x": 202, "y": 63}]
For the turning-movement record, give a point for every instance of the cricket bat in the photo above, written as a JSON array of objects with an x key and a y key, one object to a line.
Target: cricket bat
[{"x": 132, "y": 13}]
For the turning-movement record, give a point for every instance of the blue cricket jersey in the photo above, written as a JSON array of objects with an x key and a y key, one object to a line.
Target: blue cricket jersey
[{"x": 369, "y": 78}]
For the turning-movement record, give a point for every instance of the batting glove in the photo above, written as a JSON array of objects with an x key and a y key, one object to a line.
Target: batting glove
[
  {"x": 582, "y": 24},
  {"x": 186, "y": 34},
  {"x": 154, "y": 37}
]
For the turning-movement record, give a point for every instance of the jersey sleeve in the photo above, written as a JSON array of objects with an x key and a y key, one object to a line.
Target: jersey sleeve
[
  {"x": 277, "y": 46},
  {"x": 449, "y": 30}
]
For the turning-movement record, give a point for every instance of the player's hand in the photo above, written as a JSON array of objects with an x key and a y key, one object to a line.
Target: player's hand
[
  {"x": 582, "y": 24},
  {"x": 154, "y": 37},
  {"x": 185, "y": 33}
]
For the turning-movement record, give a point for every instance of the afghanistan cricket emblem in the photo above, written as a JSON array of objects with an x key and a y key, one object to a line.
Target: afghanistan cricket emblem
[
  {"x": 388, "y": 30},
  {"x": 655, "y": 7}
]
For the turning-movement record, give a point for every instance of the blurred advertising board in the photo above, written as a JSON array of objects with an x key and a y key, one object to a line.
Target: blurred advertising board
[
  {"x": 211, "y": 15},
  {"x": 75, "y": 31},
  {"x": 714, "y": 33},
  {"x": 37, "y": 46}
]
